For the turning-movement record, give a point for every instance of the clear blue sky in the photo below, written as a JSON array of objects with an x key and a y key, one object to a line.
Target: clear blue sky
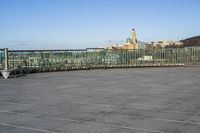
[{"x": 55, "y": 24}]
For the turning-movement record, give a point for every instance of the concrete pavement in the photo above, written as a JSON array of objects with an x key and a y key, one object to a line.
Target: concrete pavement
[{"x": 140, "y": 100}]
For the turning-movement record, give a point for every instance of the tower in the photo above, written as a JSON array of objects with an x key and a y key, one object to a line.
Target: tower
[
  {"x": 133, "y": 37},
  {"x": 131, "y": 41}
]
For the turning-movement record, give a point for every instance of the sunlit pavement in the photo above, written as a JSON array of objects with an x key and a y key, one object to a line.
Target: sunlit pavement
[{"x": 139, "y": 100}]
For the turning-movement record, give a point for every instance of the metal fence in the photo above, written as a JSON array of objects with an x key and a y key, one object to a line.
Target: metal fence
[
  {"x": 28, "y": 61},
  {"x": 1, "y": 58}
]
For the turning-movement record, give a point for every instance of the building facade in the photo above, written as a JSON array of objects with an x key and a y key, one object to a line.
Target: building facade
[{"x": 131, "y": 43}]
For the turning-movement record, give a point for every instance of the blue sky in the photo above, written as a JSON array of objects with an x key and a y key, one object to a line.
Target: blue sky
[{"x": 58, "y": 24}]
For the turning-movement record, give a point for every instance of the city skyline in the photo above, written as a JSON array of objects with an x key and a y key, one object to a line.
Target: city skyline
[{"x": 50, "y": 24}]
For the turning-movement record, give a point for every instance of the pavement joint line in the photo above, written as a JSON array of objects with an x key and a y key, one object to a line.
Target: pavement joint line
[
  {"x": 107, "y": 105},
  {"x": 172, "y": 103},
  {"x": 70, "y": 95},
  {"x": 28, "y": 128},
  {"x": 188, "y": 120},
  {"x": 66, "y": 95},
  {"x": 127, "y": 90},
  {"x": 94, "y": 123},
  {"x": 97, "y": 89},
  {"x": 66, "y": 119},
  {"x": 175, "y": 102},
  {"x": 176, "y": 121}
]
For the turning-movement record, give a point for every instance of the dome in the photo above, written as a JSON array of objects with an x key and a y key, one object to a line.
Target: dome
[{"x": 128, "y": 40}]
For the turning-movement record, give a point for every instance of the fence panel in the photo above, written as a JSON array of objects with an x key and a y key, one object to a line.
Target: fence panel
[{"x": 192, "y": 55}]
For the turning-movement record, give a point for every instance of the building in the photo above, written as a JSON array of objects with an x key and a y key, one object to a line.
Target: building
[
  {"x": 131, "y": 43},
  {"x": 165, "y": 43}
]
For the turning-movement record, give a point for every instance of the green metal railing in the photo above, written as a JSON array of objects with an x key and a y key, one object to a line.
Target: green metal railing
[
  {"x": 46, "y": 60},
  {"x": 94, "y": 58},
  {"x": 2, "y": 59}
]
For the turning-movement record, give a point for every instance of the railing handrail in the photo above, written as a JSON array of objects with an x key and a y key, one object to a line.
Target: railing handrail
[{"x": 30, "y": 50}]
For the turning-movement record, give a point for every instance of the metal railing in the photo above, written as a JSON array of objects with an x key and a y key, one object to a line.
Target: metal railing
[
  {"x": 28, "y": 61},
  {"x": 2, "y": 54}
]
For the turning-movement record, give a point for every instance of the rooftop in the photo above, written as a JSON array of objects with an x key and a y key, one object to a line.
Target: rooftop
[{"x": 110, "y": 101}]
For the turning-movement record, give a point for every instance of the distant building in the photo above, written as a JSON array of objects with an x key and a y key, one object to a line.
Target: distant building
[
  {"x": 141, "y": 45},
  {"x": 131, "y": 43},
  {"x": 164, "y": 44}
]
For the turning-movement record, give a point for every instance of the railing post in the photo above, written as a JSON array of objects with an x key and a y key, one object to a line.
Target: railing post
[
  {"x": 6, "y": 72},
  {"x": 6, "y": 58}
]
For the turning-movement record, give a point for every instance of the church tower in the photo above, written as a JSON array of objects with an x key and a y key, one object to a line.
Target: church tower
[
  {"x": 133, "y": 37},
  {"x": 131, "y": 41}
]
